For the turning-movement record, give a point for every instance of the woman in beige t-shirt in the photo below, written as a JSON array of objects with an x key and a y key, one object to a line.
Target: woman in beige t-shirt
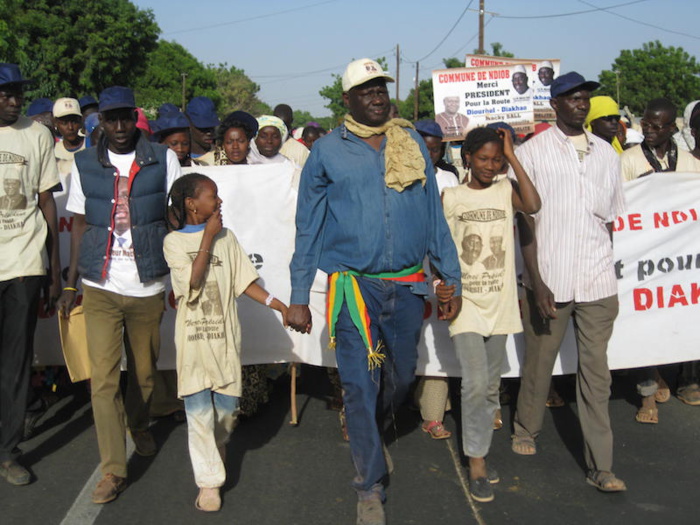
[{"x": 480, "y": 216}]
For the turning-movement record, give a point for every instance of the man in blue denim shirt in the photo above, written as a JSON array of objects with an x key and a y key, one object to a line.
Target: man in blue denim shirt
[{"x": 368, "y": 214}]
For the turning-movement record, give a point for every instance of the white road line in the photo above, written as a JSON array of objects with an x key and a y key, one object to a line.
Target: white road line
[
  {"x": 463, "y": 481},
  {"x": 84, "y": 511}
]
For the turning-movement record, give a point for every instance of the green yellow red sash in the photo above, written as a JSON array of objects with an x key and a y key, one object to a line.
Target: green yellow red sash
[{"x": 343, "y": 288}]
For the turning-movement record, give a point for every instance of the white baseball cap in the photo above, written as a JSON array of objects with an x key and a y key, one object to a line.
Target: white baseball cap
[
  {"x": 66, "y": 106},
  {"x": 363, "y": 70}
]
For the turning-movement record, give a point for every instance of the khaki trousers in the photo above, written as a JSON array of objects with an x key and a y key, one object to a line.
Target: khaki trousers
[
  {"x": 593, "y": 324},
  {"x": 112, "y": 319}
]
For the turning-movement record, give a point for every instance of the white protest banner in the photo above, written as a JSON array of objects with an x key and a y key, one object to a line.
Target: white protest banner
[
  {"x": 466, "y": 98},
  {"x": 540, "y": 74},
  {"x": 657, "y": 250}
]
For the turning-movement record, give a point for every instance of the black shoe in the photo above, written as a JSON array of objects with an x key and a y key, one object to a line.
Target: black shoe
[{"x": 481, "y": 490}]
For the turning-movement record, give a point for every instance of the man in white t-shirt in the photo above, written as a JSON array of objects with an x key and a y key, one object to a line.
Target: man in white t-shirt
[
  {"x": 27, "y": 221},
  {"x": 118, "y": 195}
]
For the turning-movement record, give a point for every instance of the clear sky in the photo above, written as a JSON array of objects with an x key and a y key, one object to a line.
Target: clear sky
[{"x": 292, "y": 47}]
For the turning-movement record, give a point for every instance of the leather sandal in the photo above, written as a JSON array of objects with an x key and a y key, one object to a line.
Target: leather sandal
[
  {"x": 436, "y": 429},
  {"x": 647, "y": 415},
  {"x": 605, "y": 481}
]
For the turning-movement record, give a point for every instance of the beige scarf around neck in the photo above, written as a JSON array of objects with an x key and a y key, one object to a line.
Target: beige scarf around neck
[{"x": 404, "y": 162}]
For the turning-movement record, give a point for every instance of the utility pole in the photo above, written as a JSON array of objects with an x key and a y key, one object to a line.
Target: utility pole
[
  {"x": 415, "y": 96},
  {"x": 397, "y": 73},
  {"x": 184, "y": 96},
  {"x": 481, "y": 28},
  {"x": 617, "y": 81}
]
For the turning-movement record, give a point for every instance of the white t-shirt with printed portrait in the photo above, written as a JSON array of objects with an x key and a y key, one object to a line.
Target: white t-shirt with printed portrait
[{"x": 122, "y": 275}]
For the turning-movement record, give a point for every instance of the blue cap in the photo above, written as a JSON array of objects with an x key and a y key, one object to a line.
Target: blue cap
[
  {"x": 570, "y": 81},
  {"x": 117, "y": 97},
  {"x": 10, "y": 74},
  {"x": 40, "y": 105},
  {"x": 86, "y": 101},
  {"x": 429, "y": 128},
  {"x": 170, "y": 122},
  {"x": 202, "y": 113},
  {"x": 248, "y": 120},
  {"x": 166, "y": 108},
  {"x": 503, "y": 125}
]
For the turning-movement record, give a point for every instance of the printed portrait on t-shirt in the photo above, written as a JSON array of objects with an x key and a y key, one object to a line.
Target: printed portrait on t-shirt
[
  {"x": 482, "y": 253},
  {"x": 497, "y": 259},
  {"x": 13, "y": 198},
  {"x": 122, "y": 219},
  {"x": 211, "y": 302}
]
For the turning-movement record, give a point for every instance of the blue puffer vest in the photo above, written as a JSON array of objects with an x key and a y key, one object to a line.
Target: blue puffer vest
[{"x": 146, "y": 206}]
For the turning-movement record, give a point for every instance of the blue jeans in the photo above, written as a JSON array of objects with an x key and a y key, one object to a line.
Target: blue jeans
[
  {"x": 210, "y": 421},
  {"x": 370, "y": 397},
  {"x": 481, "y": 359}
]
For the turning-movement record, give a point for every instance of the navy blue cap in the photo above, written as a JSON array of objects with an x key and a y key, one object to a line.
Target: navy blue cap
[
  {"x": 86, "y": 101},
  {"x": 117, "y": 97},
  {"x": 170, "y": 122},
  {"x": 429, "y": 128},
  {"x": 10, "y": 74},
  {"x": 166, "y": 108},
  {"x": 202, "y": 113},
  {"x": 569, "y": 82},
  {"x": 248, "y": 120},
  {"x": 40, "y": 105},
  {"x": 503, "y": 125}
]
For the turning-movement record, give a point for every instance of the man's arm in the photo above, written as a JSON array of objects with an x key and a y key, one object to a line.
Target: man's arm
[
  {"x": 47, "y": 205},
  {"x": 65, "y": 303},
  {"x": 310, "y": 220},
  {"x": 442, "y": 252}
]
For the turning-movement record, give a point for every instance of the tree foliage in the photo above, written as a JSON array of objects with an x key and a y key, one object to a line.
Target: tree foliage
[
  {"x": 497, "y": 51},
  {"x": 162, "y": 80},
  {"x": 72, "y": 47},
  {"x": 237, "y": 92},
  {"x": 651, "y": 72}
]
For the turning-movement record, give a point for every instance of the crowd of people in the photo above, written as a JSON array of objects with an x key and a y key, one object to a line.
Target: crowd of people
[{"x": 376, "y": 196}]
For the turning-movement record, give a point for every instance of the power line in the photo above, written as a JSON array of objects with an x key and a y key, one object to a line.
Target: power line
[
  {"x": 448, "y": 33},
  {"x": 258, "y": 17},
  {"x": 292, "y": 76},
  {"x": 575, "y": 12},
  {"x": 647, "y": 24}
]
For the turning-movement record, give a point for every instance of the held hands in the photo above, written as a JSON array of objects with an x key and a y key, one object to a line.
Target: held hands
[
  {"x": 299, "y": 318},
  {"x": 214, "y": 223},
  {"x": 448, "y": 304}
]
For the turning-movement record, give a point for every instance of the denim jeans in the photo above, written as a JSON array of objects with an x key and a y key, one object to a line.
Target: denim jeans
[
  {"x": 481, "y": 359},
  {"x": 210, "y": 421},
  {"x": 371, "y": 396}
]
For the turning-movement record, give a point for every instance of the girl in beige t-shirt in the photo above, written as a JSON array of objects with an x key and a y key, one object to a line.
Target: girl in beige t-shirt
[
  {"x": 480, "y": 216},
  {"x": 209, "y": 270}
]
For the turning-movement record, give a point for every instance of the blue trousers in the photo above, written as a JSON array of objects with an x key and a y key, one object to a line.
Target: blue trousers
[{"x": 370, "y": 397}]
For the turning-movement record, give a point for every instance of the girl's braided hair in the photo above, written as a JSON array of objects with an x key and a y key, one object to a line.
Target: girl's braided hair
[
  {"x": 187, "y": 186},
  {"x": 475, "y": 139}
]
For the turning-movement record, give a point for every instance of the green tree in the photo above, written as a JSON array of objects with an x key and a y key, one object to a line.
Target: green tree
[
  {"x": 162, "y": 80},
  {"x": 426, "y": 106},
  {"x": 497, "y": 51},
  {"x": 651, "y": 72},
  {"x": 71, "y": 47},
  {"x": 237, "y": 91}
]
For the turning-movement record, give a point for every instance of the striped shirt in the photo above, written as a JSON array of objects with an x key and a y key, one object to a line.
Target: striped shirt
[{"x": 579, "y": 198}]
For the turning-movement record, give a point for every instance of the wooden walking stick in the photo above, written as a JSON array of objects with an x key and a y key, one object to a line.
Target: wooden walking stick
[{"x": 293, "y": 392}]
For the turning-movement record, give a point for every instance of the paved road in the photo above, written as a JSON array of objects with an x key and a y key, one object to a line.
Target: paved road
[{"x": 280, "y": 474}]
